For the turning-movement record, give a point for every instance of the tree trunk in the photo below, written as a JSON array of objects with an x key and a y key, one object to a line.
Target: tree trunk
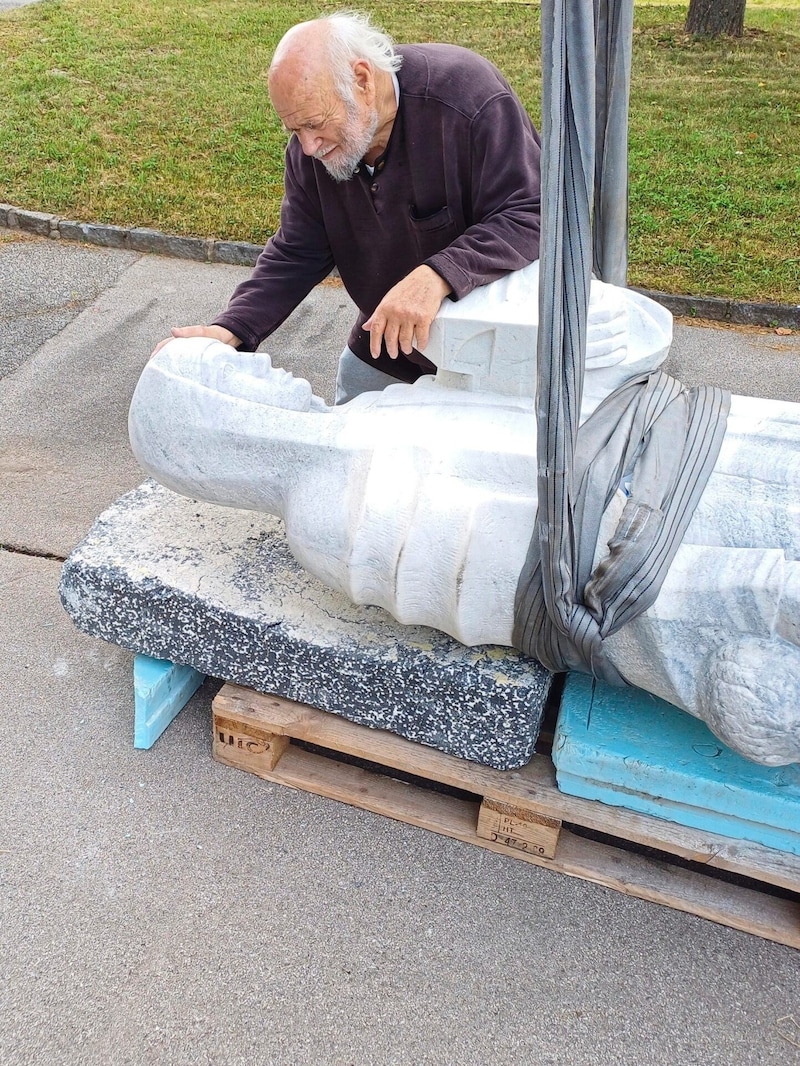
[{"x": 715, "y": 18}]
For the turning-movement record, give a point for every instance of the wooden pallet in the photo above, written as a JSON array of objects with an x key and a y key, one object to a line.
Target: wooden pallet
[{"x": 519, "y": 813}]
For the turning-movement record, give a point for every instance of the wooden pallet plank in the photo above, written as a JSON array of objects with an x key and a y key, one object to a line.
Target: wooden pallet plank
[
  {"x": 731, "y": 905},
  {"x": 517, "y": 828},
  {"x": 532, "y": 788},
  {"x": 735, "y": 906},
  {"x": 438, "y": 812}
]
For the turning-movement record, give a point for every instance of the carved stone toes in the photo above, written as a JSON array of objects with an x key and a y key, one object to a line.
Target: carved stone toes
[{"x": 749, "y": 698}]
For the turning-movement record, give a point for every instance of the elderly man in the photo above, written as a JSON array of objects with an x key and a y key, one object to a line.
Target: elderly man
[{"x": 414, "y": 170}]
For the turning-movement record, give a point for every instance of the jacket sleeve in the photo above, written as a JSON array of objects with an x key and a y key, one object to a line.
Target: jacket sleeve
[
  {"x": 503, "y": 164},
  {"x": 294, "y": 260}
]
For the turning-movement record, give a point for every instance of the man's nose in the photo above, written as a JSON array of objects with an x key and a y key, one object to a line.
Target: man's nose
[{"x": 309, "y": 142}]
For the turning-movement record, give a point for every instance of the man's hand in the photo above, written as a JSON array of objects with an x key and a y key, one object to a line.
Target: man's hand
[
  {"x": 403, "y": 317},
  {"x": 215, "y": 332}
]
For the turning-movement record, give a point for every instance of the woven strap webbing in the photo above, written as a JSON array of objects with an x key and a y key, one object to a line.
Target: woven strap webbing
[{"x": 663, "y": 441}]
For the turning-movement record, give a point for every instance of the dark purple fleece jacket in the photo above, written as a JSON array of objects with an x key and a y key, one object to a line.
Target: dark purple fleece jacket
[{"x": 458, "y": 188}]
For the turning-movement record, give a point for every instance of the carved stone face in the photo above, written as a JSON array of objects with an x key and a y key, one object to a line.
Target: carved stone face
[{"x": 246, "y": 375}]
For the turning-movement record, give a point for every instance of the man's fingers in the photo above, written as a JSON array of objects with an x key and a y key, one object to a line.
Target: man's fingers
[
  {"x": 405, "y": 336},
  {"x": 422, "y": 332},
  {"x": 391, "y": 334},
  {"x": 189, "y": 331},
  {"x": 406, "y": 313},
  {"x": 178, "y": 331},
  {"x": 397, "y": 333},
  {"x": 214, "y": 332},
  {"x": 376, "y": 327}
]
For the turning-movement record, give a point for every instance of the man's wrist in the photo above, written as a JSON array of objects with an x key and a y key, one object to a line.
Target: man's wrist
[
  {"x": 443, "y": 283},
  {"x": 226, "y": 335}
]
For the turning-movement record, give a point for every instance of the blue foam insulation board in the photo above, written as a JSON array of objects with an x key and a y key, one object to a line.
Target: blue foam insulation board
[{"x": 627, "y": 748}]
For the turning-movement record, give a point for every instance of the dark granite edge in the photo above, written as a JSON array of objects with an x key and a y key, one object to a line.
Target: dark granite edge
[
  {"x": 114, "y": 583},
  {"x": 518, "y": 747},
  {"x": 242, "y": 253}
]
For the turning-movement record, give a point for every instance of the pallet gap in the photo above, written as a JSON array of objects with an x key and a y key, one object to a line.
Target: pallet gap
[
  {"x": 382, "y": 770},
  {"x": 729, "y": 877},
  {"x": 547, "y": 728}
]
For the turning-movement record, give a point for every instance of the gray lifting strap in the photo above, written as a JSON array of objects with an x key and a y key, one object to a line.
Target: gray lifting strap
[
  {"x": 561, "y": 616},
  {"x": 662, "y": 441}
]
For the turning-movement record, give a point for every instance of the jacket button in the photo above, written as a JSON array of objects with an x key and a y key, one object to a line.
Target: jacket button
[{"x": 374, "y": 186}]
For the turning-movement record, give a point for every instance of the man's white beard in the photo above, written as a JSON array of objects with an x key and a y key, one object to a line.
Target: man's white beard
[{"x": 356, "y": 147}]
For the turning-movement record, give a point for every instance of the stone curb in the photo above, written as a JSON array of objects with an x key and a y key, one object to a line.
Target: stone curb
[
  {"x": 718, "y": 309},
  {"x": 240, "y": 253},
  {"x": 139, "y": 239}
]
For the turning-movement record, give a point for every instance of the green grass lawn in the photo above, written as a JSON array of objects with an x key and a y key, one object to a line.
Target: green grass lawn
[{"x": 156, "y": 114}]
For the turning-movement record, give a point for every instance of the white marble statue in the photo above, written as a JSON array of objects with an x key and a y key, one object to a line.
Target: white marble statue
[{"x": 421, "y": 499}]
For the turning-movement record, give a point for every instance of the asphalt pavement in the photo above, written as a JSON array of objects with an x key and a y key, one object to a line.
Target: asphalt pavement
[
  {"x": 157, "y": 907},
  {"x": 9, "y": 5}
]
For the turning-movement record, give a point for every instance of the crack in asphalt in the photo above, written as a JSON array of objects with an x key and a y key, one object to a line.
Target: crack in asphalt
[{"x": 33, "y": 553}]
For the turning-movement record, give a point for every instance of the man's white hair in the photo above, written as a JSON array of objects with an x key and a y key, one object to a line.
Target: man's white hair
[{"x": 352, "y": 37}]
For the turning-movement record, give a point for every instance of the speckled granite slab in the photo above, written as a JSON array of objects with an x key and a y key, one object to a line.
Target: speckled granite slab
[{"x": 218, "y": 590}]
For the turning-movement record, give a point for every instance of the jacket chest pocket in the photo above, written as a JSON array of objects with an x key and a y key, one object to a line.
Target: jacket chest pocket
[{"x": 433, "y": 232}]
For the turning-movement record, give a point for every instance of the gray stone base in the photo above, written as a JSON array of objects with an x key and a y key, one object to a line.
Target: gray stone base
[{"x": 218, "y": 590}]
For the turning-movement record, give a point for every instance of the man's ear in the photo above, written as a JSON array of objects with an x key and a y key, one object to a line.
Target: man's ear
[{"x": 364, "y": 78}]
